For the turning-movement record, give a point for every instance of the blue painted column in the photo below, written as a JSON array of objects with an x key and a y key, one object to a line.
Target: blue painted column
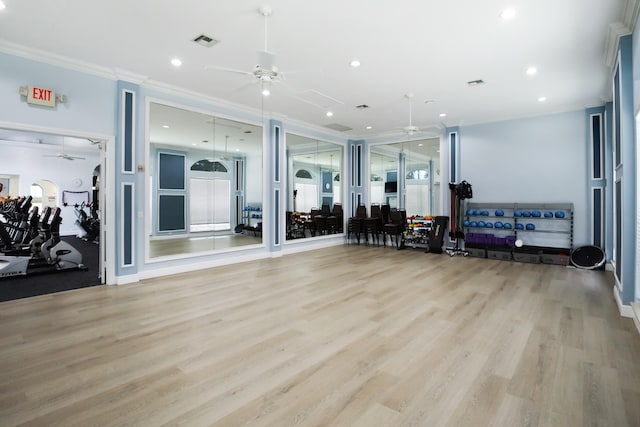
[
  {"x": 609, "y": 179},
  {"x": 596, "y": 177},
  {"x": 627, "y": 171},
  {"x": 275, "y": 201},
  {"x": 356, "y": 172},
  {"x": 127, "y": 143}
]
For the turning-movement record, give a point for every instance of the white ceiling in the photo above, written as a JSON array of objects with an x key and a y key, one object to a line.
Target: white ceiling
[{"x": 428, "y": 48}]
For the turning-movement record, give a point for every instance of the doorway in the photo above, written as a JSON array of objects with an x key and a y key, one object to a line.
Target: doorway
[{"x": 59, "y": 173}]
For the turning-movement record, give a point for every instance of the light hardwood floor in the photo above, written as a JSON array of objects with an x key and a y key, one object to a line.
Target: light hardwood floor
[{"x": 344, "y": 336}]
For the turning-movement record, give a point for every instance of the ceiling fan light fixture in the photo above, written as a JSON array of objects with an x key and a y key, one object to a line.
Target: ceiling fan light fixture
[
  {"x": 354, "y": 63},
  {"x": 532, "y": 71},
  {"x": 329, "y": 113},
  {"x": 266, "y": 92},
  {"x": 176, "y": 62}
]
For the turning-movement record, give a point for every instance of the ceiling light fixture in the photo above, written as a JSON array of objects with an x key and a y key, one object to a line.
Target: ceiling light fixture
[
  {"x": 443, "y": 114},
  {"x": 329, "y": 114},
  {"x": 165, "y": 126},
  {"x": 369, "y": 127},
  {"x": 176, "y": 62},
  {"x": 542, "y": 99},
  {"x": 266, "y": 92},
  {"x": 354, "y": 63},
  {"x": 2, "y": 6},
  {"x": 532, "y": 71},
  {"x": 508, "y": 13}
]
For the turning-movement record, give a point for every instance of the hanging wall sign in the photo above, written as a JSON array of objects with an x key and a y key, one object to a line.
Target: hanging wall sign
[{"x": 41, "y": 96}]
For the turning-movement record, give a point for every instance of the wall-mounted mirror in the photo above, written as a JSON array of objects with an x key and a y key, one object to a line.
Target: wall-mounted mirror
[
  {"x": 314, "y": 188},
  {"x": 202, "y": 197},
  {"x": 418, "y": 174}
]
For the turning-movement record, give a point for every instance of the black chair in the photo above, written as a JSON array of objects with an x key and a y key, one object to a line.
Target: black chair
[
  {"x": 396, "y": 226},
  {"x": 356, "y": 223},
  {"x": 334, "y": 221},
  {"x": 373, "y": 224}
]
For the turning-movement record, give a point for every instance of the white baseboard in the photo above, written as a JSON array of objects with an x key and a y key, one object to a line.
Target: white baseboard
[
  {"x": 635, "y": 308},
  {"x": 125, "y": 280},
  {"x": 625, "y": 310}
]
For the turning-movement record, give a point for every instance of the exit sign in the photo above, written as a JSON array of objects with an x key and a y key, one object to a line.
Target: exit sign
[{"x": 41, "y": 96}]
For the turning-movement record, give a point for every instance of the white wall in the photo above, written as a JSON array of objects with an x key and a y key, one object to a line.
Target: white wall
[
  {"x": 30, "y": 165},
  {"x": 533, "y": 160}
]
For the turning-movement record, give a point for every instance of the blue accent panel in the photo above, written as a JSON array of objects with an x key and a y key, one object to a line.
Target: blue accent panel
[
  {"x": 597, "y": 217},
  {"x": 128, "y": 132},
  {"x": 276, "y": 154},
  {"x": 596, "y": 146},
  {"x": 171, "y": 212},
  {"x": 453, "y": 153},
  {"x": 276, "y": 217},
  {"x": 608, "y": 175},
  {"x": 171, "y": 171},
  {"x": 127, "y": 225}
]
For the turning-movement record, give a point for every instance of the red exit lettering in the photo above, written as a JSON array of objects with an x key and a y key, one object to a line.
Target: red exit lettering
[{"x": 42, "y": 94}]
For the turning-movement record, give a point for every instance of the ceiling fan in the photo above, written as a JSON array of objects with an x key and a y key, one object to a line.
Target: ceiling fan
[
  {"x": 64, "y": 155},
  {"x": 265, "y": 71},
  {"x": 411, "y": 129}
]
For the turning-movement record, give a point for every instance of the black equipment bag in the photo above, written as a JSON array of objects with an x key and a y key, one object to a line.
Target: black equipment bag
[{"x": 436, "y": 236}]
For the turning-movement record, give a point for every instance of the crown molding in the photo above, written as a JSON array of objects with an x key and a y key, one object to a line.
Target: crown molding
[
  {"x": 631, "y": 12},
  {"x": 56, "y": 60},
  {"x": 616, "y": 30},
  {"x": 129, "y": 76}
]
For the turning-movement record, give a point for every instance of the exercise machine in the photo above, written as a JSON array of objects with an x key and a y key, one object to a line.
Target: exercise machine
[
  {"x": 459, "y": 192},
  {"x": 53, "y": 254}
]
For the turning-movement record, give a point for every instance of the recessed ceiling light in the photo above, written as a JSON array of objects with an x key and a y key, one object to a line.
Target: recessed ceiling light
[
  {"x": 508, "y": 13},
  {"x": 369, "y": 127},
  {"x": 2, "y": 6},
  {"x": 266, "y": 92},
  {"x": 420, "y": 145},
  {"x": 194, "y": 144},
  {"x": 354, "y": 63},
  {"x": 532, "y": 71},
  {"x": 176, "y": 62},
  {"x": 542, "y": 99},
  {"x": 329, "y": 114},
  {"x": 443, "y": 114},
  {"x": 165, "y": 126}
]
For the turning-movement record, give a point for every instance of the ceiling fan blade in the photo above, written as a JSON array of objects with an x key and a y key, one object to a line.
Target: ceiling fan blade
[
  {"x": 229, "y": 70},
  {"x": 245, "y": 85}
]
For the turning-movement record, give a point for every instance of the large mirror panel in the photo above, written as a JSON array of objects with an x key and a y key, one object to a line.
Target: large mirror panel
[
  {"x": 201, "y": 197},
  {"x": 314, "y": 188},
  {"x": 418, "y": 163}
]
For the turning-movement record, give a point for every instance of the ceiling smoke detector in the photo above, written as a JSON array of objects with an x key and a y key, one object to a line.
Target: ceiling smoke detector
[{"x": 205, "y": 40}]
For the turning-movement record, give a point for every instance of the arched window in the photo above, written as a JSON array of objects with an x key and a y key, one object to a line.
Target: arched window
[
  {"x": 418, "y": 174},
  {"x": 303, "y": 173},
  {"x": 205, "y": 165}
]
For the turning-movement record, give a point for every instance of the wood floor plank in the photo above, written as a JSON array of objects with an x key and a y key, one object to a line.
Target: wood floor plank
[{"x": 342, "y": 336}]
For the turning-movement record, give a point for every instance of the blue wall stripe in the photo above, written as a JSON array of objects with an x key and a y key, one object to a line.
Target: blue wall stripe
[
  {"x": 127, "y": 224},
  {"x": 276, "y": 217},
  {"x": 596, "y": 132},
  {"x": 128, "y": 132},
  {"x": 452, "y": 157},
  {"x": 597, "y": 217}
]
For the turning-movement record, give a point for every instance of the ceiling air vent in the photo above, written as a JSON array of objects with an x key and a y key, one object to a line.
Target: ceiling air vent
[
  {"x": 205, "y": 40},
  {"x": 362, "y": 106},
  {"x": 475, "y": 82},
  {"x": 338, "y": 127}
]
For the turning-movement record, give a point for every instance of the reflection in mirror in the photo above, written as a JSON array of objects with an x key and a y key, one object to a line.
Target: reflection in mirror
[
  {"x": 201, "y": 196},
  {"x": 421, "y": 172},
  {"x": 314, "y": 195}
]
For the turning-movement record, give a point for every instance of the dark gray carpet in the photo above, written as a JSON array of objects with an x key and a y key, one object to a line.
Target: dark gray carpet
[{"x": 52, "y": 281}]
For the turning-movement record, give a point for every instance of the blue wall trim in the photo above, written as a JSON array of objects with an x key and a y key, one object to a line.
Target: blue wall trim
[
  {"x": 127, "y": 225},
  {"x": 127, "y": 131}
]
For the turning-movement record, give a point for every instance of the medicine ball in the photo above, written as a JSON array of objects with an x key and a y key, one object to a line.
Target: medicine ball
[
  {"x": 559, "y": 214},
  {"x": 499, "y": 212},
  {"x": 473, "y": 224},
  {"x": 499, "y": 224},
  {"x": 470, "y": 212},
  {"x": 530, "y": 227},
  {"x": 507, "y": 226},
  {"x": 481, "y": 224},
  {"x": 485, "y": 213},
  {"x": 466, "y": 223},
  {"x": 488, "y": 225},
  {"x": 517, "y": 213},
  {"x": 526, "y": 214},
  {"x": 536, "y": 214},
  {"x": 519, "y": 227},
  {"x": 548, "y": 214}
]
